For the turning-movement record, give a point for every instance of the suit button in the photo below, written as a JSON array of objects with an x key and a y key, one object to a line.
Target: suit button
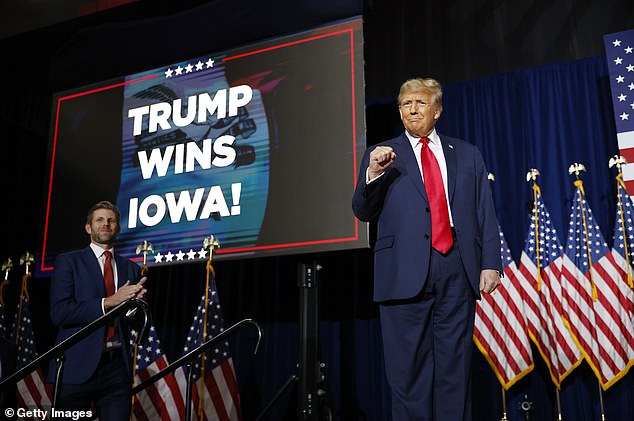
[
  {"x": 427, "y": 236},
  {"x": 427, "y": 210}
]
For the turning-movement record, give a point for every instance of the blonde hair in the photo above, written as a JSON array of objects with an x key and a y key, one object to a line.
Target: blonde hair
[
  {"x": 104, "y": 204},
  {"x": 428, "y": 85}
]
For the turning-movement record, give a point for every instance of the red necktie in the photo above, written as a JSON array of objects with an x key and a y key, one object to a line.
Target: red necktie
[
  {"x": 441, "y": 230},
  {"x": 108, "y": 279}
]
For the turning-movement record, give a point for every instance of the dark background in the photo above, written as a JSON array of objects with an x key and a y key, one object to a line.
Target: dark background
[{"x": 453, "y": 41}]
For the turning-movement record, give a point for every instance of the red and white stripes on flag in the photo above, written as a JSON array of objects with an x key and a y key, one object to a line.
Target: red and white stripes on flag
[
  {"x": 215, "y": 391},
  {"x": 161, "y": 400},
  {"x": 592, "y": 309},
  {"x": 500, "y": 327},
  {"x": 219, "y": 393},
  {"x": 539, "y": 275}
]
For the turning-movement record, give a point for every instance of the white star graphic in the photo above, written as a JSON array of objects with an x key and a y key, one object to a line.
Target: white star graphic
[
  {"x": 628, "y": 50},
  {"x": 618, "y": 61},
  {"x": 158, "y": 257},
  {"x": 199, "y": 65},
  {"x": 169, "y": 257},
  {"x": 620, "y": 79},
  {"x": 210, "y": 63},
  {"x": 624, "y": 116},
  {"x": 179, "y": 256},
  {"x": 179, "y": 71},
  {"x": 202, "y": 254},
  {"x": 191, "y": 254},
  {"x": 622, "y": 97},
  {"x": 189, "y": 68},
  {"x": 632, "y": 105},
  {"x": 616, "y": 42},
  {"x": 168, "y": 73},
  {"x": 630, "y": 68}
]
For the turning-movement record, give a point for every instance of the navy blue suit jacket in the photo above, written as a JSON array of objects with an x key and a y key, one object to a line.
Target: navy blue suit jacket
[
  {"x": 77, "y": 289},
  {"x": 398, "y": 202}
]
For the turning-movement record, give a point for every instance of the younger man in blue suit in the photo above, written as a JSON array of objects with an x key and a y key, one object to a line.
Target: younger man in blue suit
[
  {"x": 97, "y": 369},
  {"x": 437, "y": 247}
]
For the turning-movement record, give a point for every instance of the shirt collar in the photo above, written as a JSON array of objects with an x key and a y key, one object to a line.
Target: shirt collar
[
  {"x": 99, "y": 250},
  {"x": 433, "y": 138}
]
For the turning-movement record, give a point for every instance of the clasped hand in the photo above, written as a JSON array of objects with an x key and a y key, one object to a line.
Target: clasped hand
[{"x": 126, "y": 292}]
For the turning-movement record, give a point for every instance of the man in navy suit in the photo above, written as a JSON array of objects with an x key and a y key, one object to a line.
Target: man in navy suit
[
  {"x": 437, "y": 247},
  {"x": 97, "y": 369}
]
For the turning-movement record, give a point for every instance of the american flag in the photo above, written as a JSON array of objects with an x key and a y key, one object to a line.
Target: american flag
[
  {"x": 624, "y": 226},
  {"x": 599, "y": 302},
  {"x": 31, "y": 390},
  {"x": 619, "y": 52},
  {"x": 539, "y": 273},
  {"x": 623, "y": 292},
  {"x": 162, "y": 400},
  {"x": 500, "y": 327},
  {"x": 220, "y": 397},
  {"x": 3, "y": 328}
]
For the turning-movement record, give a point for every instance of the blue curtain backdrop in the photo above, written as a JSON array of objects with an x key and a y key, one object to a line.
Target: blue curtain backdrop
[{"x": 546, "y": 118}]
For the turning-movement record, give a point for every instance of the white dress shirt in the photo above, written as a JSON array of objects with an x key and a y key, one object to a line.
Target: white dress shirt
[{"x": 101, "y": 258}]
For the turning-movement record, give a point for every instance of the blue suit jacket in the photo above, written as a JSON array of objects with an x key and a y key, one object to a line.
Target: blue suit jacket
[
  {"x": 77, "y": 288},
  {"x": 398, "y": 202}
]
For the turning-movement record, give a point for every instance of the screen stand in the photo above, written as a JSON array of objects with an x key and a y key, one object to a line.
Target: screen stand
[{"x": 311, "y": 396}]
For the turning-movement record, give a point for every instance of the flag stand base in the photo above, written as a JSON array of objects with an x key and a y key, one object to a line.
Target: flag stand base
[{"x": 311, "y": 395}]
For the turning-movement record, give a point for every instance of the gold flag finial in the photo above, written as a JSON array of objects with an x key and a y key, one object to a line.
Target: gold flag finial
[
  {"x": 145, "y": 247},
  {"x": 576, "y": 169},
  {"x": 211, "y": 243},
  {"x": 491, "y": 177},
  {"x": 6, "y": 268},
  {"x": 532, "y": 174},
  {"x": 617, "y": 160},
  {"x": 26, "y": 260}
]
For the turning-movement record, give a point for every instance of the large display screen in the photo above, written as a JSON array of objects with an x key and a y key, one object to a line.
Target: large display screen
[{"x": 258, "y": 145}]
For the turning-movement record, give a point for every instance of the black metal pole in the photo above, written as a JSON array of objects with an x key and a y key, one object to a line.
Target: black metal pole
[{"x": 309, "y": 371}]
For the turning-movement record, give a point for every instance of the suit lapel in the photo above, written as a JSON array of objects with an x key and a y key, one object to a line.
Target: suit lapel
[
  {"x": 95, "y": 271},
  {"x": 404, "y": 151},
  {"x": 121, "y": 270},
  {"x": 452, "y": 166}
]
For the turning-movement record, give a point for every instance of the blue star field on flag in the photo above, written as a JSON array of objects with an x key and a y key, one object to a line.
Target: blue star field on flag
[
  {"x": 147, "y": 352},
  {"x": 27, "y": 350},
  {"x": 624, "y": 227},
  {"x": 619, "y": 50},
  {"x": 576, "y": 247},
  {"x": 507, "y": 259},
  {"x": 3, "y": 325},
  {"x": 215, "y": 325},
  {"x": 550, "y": 247}
]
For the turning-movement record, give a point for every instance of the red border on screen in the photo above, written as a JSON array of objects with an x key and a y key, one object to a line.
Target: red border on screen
[{"x": 349, "y": 31}]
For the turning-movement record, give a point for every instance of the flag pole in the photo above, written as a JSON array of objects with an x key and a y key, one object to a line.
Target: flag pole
[
  {"x": 558, "y": 405},
  {"x": 145, "y": 247},
  {"x": 619, "y": 161},
  {"x": 601, "y": 401},
  {"x": 25, "y": 260},
  {"x": 532, "y": 175},
  {"x": 503, "y": 405},
  {"x": 210, "y": 243},
  {"x": 576, "y": 169}
]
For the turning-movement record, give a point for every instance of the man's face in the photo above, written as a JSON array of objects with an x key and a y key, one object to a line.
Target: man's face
[
  {"x": 103, "y": 229},
  {"x": 418, "y": 113}
]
